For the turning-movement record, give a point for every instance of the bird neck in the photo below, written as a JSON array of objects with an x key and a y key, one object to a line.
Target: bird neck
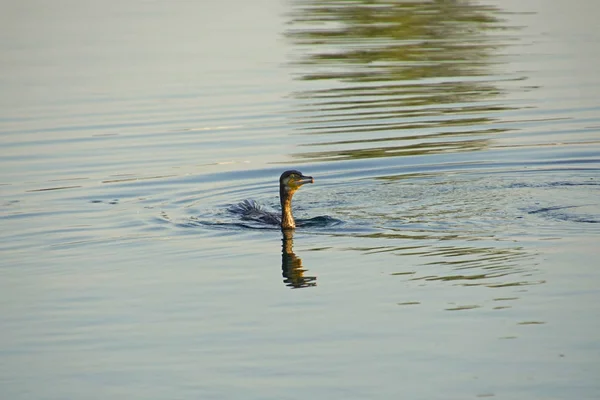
[{"x": 287, "y": 219}]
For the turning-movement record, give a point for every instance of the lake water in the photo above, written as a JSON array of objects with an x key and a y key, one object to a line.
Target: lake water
[{"x": 455, "y": 148}]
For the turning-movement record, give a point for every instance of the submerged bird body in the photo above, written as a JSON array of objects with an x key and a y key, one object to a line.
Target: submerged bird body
[{"x": 289, "y": 182}]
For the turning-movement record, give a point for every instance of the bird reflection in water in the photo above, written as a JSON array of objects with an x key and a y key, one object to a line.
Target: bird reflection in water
[{"x": 291, "y": 264}]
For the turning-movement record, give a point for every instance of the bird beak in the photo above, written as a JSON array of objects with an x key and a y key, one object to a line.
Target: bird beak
[{"x": 305, "y": 179}]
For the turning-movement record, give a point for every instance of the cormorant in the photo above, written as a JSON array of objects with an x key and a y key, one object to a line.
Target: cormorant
[{"x": 289, "y": 182}]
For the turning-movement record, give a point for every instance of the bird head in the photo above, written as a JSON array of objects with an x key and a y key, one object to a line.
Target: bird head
[{"x": 291, "y": 180}]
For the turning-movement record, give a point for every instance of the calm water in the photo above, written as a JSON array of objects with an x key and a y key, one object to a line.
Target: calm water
[{"x": 454, "y": 145}]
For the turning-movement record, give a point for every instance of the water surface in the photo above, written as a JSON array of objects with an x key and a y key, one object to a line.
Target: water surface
[{"x": 456, "y": 157}]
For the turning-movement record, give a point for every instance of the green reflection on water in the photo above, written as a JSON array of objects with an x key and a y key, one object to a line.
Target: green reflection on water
[
  {"x": 405, "y": 74},
  {"x": 395, "y": 40}
]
